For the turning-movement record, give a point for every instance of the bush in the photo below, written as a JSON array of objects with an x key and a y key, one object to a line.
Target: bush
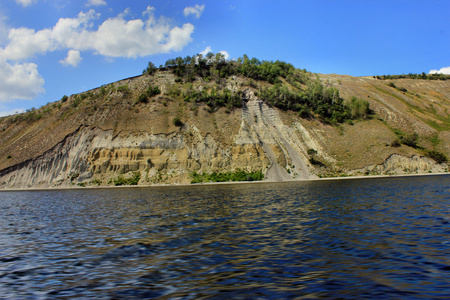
[
  {"x": 311, "y": 152},
  {"x": 411, "y": 140},
  {"x": 64, "y": 98},
  {"x": 128, "y": 181},
  {"x": 359, "y": 108},
  {"x": 316, "y": 162},
  {"x": 153, "y": 91},
  {"x": 238, "y": 175},
  {"x": 143, "y": 98},
  {"x": 437, "y": 156},
  {"x": 177, "y": 122},
  {"x": 395, "y": 144},
  {"x": 124, "y": 89},
  {"x": 391, "y": 84}
]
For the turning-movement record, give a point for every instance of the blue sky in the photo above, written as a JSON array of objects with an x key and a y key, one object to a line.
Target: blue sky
[{"x": 51, "y": 48}]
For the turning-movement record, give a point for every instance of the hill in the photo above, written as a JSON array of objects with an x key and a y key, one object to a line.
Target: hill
[{"x": 197, "y": 117}]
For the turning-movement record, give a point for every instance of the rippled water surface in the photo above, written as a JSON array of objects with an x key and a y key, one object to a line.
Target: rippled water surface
[{"x": 365, "y": 239}]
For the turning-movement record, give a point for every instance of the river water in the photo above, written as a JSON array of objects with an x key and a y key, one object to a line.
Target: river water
[{"x": 385, "y": 238}]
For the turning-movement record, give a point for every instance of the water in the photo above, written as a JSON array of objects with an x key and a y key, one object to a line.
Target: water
[{"x": 364, "y": 239}]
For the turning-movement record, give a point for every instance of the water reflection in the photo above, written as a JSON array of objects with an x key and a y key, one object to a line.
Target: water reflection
[{"x": 333, "y": 239}]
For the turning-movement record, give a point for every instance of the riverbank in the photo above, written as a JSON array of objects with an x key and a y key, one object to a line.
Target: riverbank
[{"x": 75, "y": 187}]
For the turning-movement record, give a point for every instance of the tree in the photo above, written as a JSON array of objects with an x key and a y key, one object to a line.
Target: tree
[{"x": 151, "y": 69}]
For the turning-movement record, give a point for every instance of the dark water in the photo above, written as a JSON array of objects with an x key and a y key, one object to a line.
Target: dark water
[{"x": 361, "y": 239}]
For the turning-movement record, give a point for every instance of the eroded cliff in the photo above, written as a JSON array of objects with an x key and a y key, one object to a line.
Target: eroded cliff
[{"x": 94, "y": 137}]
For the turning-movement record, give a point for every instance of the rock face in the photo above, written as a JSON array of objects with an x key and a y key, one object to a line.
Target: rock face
[
  {"x": 95, "y": 141},
  {"x": 399, "y": 164},
  {"x": 262, "y": 143}
]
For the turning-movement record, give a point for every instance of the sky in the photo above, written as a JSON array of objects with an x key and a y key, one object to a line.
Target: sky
[{"x": 51, "y": 48}]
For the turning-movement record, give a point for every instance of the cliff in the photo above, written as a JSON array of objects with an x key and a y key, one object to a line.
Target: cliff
[{"x": 94, "y": 137}]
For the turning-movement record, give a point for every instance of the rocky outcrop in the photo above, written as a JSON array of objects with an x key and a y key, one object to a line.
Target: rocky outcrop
[{"x": 400, "y": 164}]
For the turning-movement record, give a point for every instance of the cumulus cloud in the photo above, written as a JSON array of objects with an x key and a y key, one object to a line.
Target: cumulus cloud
[
  {"x": 95, "y": 2},
  {"x": 73, "y": 58},
  {"x": 206, "y": 51},
  {"x": 196, "y": 10},
  {"x": 25, "y": 3},
  {"x": 19, "y": 81},
  {"x": 225, "y": 54},
  {"x": 445, "y": 70},
  {"x": 115, "y": 37}
]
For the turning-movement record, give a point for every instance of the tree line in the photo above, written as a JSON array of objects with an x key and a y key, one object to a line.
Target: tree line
[{"x": 423, "y": 75}]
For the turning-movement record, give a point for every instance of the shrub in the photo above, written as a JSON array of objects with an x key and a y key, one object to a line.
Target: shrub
[
  {"x": 238, "y": 175},
  {"x": 359, "y": 108},
  {"x": 124, "y": 89},
  {"x": 391, "y": 84},
  {"x": 316, "y": 162},
  {"x": 177, "y": 122},
  {"x": 143, "y": 98},
  {"x": 411, "y": 140},
  {"x": 96, "y": 181},
  {"x": 311, "y": 152},
  {"x": 395, "y": 143},
  {"x": 128, "y": 181},
  {"x": 437, "y": 156},
  {"x": 153, "y": 91},
  {"x": 64, "y": 98}
]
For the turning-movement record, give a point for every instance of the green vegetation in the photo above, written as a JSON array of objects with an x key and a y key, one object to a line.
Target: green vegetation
[
  {"x": 134, "y": 180},
  {"x": 238, "y": 175},
  {"x": 64, "y": 98},
  {"x": 214, "y": 98},
  {"x": 150, "y": 70},
  {"x": 423, "y": 75},
  {"x": 311, "y": 152},
  {"x": 177, "y": 122},
  {"x": 290, "y": 89},
  {"x": 401, "y": 89},
  {"x": 410, "y": 140},
  {"x": 150, "y": 92},
  {"x": 437, "y": 156},
  {"x": 124, "y": 89},
  {"x": 96, "y": 181}
]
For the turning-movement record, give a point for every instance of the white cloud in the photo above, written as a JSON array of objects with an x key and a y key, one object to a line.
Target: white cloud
[
  {"x": 19, "y": 81},
  {"x": 196, "y": 10},
  {"x": 115, "y": 37},
  {"x": 95, "y": 2},
  {"x": 445, "y": 70},
  {"x": 25, "y": 3},
  {"x": 206, "y": 51},
  {"x": 73, "y": 58},
  {"x": 225, "y": 54}
]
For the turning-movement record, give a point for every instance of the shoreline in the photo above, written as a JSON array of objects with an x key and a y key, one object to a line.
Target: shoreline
[{"x": 75, "y": 187}]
